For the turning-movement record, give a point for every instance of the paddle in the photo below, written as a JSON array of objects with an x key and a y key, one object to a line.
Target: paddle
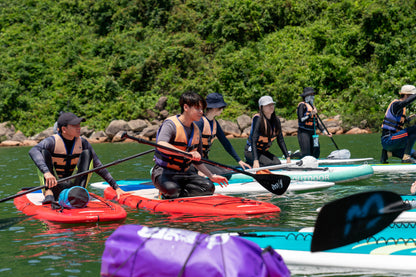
[
  {"x": 339, "y": 153},
  {"x": 356, "y": 217},
  {"x": 274, "y": 183},
  {"x": 333, "y": 141},
  {"x": 353, "y": 218},
  {"x": 78, "y": 174}
]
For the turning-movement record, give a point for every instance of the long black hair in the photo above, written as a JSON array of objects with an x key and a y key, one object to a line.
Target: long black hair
[{"x": 274, "y": 122}]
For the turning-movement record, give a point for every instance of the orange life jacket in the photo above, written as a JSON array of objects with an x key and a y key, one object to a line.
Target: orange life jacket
[
  {"x": 307, "y": 124},
  {"x": 208, "y": 135},
  {"x": 181, "y": 142},
  {"x": 63, "y": 162},
  {"x": 264, "y": 142}
]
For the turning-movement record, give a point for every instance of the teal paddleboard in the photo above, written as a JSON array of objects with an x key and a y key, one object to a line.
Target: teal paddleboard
[{"x": 393, "y": 249}]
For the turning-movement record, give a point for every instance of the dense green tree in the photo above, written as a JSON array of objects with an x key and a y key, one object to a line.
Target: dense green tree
[{"x": 113, "y": 59}]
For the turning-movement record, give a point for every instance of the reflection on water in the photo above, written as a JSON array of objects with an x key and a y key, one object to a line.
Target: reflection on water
[{"x": 35, "y": 248}]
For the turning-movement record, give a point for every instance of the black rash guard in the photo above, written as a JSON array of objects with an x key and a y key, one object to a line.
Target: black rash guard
[{"x": 254, "y": 137}]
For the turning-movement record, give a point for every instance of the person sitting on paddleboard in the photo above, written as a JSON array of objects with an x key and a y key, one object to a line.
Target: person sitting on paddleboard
[
  {"x": 308, "y": 124},
  {"x": 394, "y": 137},
  {"x": 265, "y": 128},
  {"x": 210, "y": 129},
  {"x": 172, "y": 173},
  {"x": 61, "y": 154}
]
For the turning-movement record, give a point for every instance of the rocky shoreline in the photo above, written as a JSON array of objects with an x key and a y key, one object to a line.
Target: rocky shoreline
[
  {"x": 143, "y": 128},
  {"x": 147, "y": 128}
]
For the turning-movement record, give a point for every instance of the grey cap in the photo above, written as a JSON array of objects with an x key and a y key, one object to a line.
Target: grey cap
[
  {"x": 265, "y": 100},
  {"x": 408, "y": 89}
]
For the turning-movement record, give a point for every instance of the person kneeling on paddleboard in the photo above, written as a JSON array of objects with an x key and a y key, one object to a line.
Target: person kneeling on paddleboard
[
  {"x": 265, "y": 128},
  {"x": 394, "y": 137},
  {"x": 173, "y": 174},
  {"x": 64, "y": 154}
]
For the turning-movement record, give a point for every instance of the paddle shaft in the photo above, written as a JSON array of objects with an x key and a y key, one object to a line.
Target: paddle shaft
[
  {"x": 320, "y": 120},
  {"x": 187, "y": 155},
  {"x": 78, "y": 174},
  {"x": 274, "y": 183}
]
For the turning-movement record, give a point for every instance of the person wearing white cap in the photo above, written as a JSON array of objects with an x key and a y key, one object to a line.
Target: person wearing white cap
[
  {"x": 211, "y": 129},
  {"x": 395, "y": 138},
  {"x": 308, "y": 123},
  {"x": 265, "y": 128},
  {"x": 64, "y": 153}
]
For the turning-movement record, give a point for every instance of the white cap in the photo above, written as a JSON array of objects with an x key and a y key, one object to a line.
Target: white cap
[
  {"x": 408, "y": 89},
  {"x": 265, "y": 100}
]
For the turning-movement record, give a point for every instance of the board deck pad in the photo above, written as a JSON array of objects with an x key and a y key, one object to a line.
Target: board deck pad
[
  {"x": 232, "y": 188},
  {"x": 96, "y": 210},
  {"x": 216, "y": 204}
]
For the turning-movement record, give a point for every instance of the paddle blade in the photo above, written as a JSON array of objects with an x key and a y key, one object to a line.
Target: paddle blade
[
  {"x": 354, "y": 218},
  {"x": 274, "y": 183}
]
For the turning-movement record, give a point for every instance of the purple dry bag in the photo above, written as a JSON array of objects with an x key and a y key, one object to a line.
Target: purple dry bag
[{"x": 134, "y": 250}]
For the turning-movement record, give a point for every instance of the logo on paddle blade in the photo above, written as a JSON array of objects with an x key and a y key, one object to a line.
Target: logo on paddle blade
[
  {"x": 370, "y": 209},
  {"x": 277, "y": 185}
]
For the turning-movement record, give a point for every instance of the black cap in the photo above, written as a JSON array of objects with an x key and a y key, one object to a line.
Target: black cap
[
  {"x": 308, "y": 91},
  {"x": 69, "y": 119},
  {"x": 215, "y": 100}
]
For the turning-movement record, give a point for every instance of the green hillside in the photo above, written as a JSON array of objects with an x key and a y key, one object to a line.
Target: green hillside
[{"x": 108, "y": 60}]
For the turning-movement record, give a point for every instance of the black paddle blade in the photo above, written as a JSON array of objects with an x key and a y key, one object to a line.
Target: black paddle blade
[
  {"x": 354, "y": 218},
  {"x": 274, "y": 183}
]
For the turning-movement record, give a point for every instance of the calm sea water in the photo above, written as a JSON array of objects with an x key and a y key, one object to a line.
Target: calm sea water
[{"x": 30, "y": 247}]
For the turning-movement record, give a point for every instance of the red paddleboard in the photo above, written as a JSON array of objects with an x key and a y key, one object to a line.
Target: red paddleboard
[
  {"x": 216, "y": 204},
  {"x": 97, "y": 210}
]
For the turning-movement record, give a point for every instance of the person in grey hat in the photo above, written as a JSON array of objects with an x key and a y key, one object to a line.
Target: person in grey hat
[
  {"x": 308, "y": 123},
  {"x": 265, "y": 128},
  {"x": 211, "y": 129},
  {"x": 59, "y": 155},
  {"x": 395, "y": 139}
]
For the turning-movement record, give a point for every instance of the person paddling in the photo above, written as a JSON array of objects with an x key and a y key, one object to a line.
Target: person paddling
[
  {"x": 265, "y": 128},
  {"x": 308, "y": 124},
  {"x": 394, "y": 137},
  {"x": 173, "y": 174},
  {"x": 211, "y": 129},
  {"x": 64, "y": 154}
]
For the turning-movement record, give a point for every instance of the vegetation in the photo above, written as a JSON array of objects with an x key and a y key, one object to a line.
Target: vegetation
[{"x": 110, "y": 60}]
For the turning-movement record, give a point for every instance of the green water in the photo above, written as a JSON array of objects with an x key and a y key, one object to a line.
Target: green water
[{"x": 31, "y": 247}]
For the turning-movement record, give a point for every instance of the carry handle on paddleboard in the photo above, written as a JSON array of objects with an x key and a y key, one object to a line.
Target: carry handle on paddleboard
[
  {"x": 78, "y": 175},
  {"x": 275, "y": 183}
]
